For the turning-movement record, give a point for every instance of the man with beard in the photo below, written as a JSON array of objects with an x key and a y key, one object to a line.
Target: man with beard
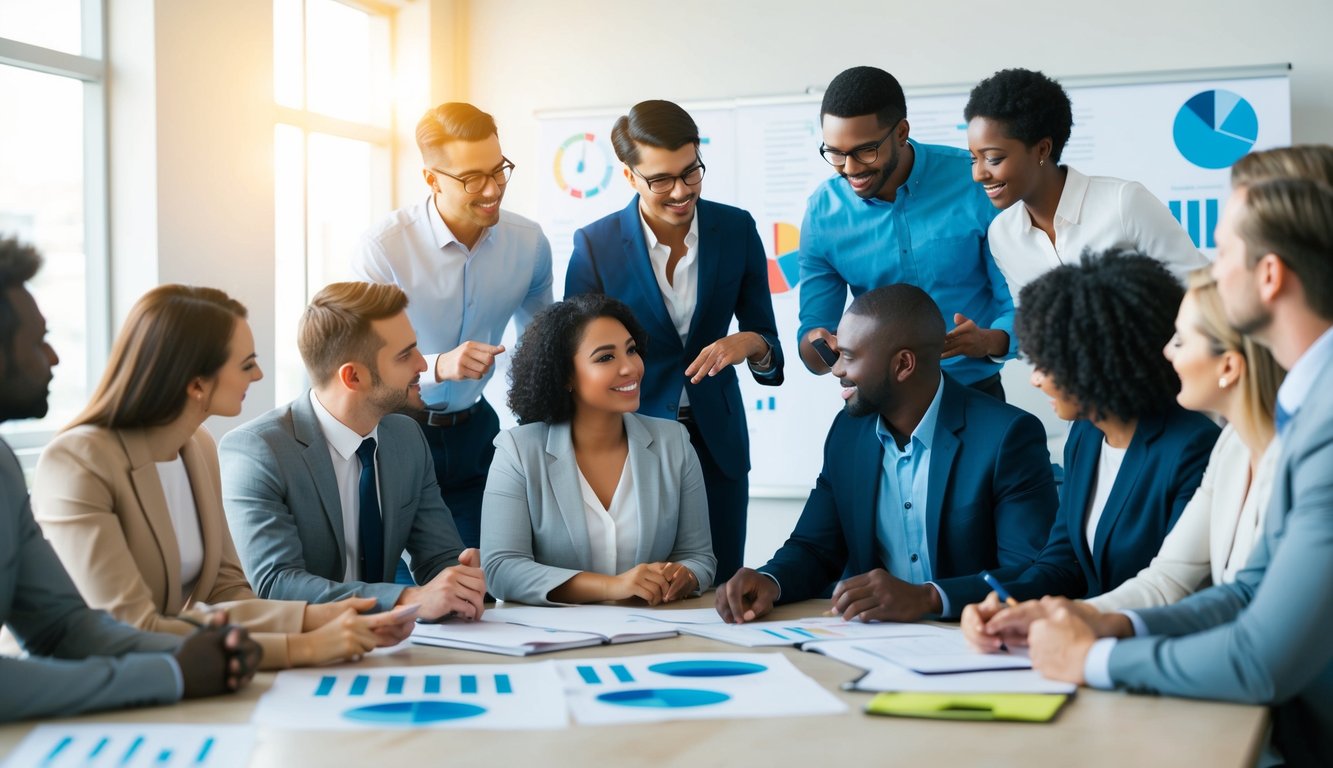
[
  {"x": 468, "y": 268},
  {"x": 324, "y": 494},
  {"x": 899, "y": 211},
  {"x": 687, "y": 266},
  {"x": 79, "y": 660},
  {"x": 926, "y": 483}
]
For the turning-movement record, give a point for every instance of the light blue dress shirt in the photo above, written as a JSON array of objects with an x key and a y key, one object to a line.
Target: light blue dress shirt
[
  {"x": 900, "y": 515},
  {"x": 456, "y": 294},
  {"x": 932, "y": 236},
  {"x": 1290, "y": 395}
]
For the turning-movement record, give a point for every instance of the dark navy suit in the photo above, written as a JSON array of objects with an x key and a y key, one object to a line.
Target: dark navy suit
[
  {"x": 611, "y": 257},
  {"x": 1161, "y": 470},
  {"x": 990, "y": 496}
]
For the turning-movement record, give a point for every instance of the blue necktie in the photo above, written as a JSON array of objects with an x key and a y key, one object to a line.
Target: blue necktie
[
  {"x": 1281, "y": 418},
  {"x": 371, "y": 527}
]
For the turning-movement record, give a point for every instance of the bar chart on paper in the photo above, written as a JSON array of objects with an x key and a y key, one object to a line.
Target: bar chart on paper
[
  {"x": 140, "y": 744},
  {"x": 526, "y": 696}
]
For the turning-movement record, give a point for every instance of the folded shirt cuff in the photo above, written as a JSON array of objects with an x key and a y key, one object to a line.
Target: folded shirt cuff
[{"x": 1097, "y": 665}]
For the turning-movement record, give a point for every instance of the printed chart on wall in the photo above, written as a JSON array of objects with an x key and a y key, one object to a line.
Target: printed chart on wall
[
  {"x": 1176, "y": 133},
  {"x": 498, "y": 697},
  {"x": 139, "y": 744}
]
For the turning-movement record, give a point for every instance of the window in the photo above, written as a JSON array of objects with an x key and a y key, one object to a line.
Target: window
[
  {"x": 332, "y": 160},
  {"x": 53, "y": 195}
]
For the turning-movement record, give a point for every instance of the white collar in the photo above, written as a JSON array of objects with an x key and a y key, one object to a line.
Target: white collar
[{"x": 343, "y": 438}]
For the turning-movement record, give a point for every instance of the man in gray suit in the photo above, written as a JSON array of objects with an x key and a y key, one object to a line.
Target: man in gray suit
[
  {"x": 325, "y": 493},
  {"x": 79, "y": 659},
  {"x": 1264, "y": 638}
]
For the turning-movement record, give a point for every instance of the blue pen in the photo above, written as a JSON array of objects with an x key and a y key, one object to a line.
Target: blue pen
[{"x": 1000, "y": 591}]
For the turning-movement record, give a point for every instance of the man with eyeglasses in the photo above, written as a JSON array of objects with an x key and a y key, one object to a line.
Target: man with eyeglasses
[
  {"x": 900, "y": 211},
  {"x": 467, "y": 267},
  {"x": 687, "y": 266}
]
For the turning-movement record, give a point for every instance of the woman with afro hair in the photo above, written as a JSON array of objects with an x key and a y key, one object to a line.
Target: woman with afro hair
[
  {"x": 1018, "y": 123},
  {"x": 1094, "y": 332},
  {"x": 586, "y": 500}
]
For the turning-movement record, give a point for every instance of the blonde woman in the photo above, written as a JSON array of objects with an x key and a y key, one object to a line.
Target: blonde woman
[{"x": 129, "y": 494}]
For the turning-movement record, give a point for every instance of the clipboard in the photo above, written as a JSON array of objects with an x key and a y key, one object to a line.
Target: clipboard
[{"x": 1021, "y": 707}]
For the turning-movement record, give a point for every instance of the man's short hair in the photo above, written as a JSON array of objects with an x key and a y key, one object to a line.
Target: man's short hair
[
  {"x": 18, "y": 264},
  {"x": 335, "y": 328},
  {"x": 1293, "y": 218},
  {"x": 905, "y": 316},
  {"x": 865, "y": 91},
  {"x": 655, "y": 123},
  {"x": 1302, "y": 161},
  {"x": 453, "y": 121}
]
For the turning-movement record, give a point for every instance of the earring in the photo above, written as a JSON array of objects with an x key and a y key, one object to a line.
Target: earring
[
  {"x": 1041, "y": 161},
  {"x": 1222, "y": 383}
]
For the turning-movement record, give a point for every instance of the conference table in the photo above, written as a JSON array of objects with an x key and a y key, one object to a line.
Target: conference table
[{"x": 1095, "y": 728}]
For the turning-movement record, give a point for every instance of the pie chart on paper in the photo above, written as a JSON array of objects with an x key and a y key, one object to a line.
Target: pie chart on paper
[{"x": 1215, "y": 128}]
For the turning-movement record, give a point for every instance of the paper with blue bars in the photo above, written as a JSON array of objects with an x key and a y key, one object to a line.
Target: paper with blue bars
[
  {"x": 138, "y": 744},
  {"x": 487, "y": 696}
]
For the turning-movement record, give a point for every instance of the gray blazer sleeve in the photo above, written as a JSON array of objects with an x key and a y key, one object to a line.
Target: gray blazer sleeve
[
  {"x": 255, "y": 496},
  {"x": 1263, "y": 638},
  {"x": 80, "y": 659}
]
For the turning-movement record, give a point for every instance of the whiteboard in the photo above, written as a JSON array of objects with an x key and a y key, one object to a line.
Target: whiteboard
[{"x": 1177, "y": 133}]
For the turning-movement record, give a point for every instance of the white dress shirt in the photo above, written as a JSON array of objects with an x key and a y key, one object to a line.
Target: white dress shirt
[
  {"x": 185, "y": 519},
  {"x": 680, "y": 293},
  {"x": 343, "y": 442},
  {"x": 1096, "y": 212},
  {"x": 613, "y": 532},
  {"x": 455, "y": 293}
]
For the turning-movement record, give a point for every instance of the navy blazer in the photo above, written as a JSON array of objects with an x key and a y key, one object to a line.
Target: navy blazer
[
  {"x": 1161, "y": 470},
  {"x": 611, "y": 257},
  {"x": 990, "y": 501}
]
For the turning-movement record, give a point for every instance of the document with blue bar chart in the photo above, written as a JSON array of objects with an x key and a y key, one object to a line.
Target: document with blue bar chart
[
  {"x": 498, "y": 697},
  {"x": 139, "y": 744}
]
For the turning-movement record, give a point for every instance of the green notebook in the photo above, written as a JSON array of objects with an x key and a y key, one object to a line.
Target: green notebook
[{"x": 1027, "y": 707}]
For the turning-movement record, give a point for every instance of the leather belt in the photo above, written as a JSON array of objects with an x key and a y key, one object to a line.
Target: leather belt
[{"x": 451, "y": 419}]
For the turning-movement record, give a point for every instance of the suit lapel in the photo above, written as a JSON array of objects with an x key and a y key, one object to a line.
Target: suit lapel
[
  {"x": 706, "y": 263},
  {"x": 1084, "y": 469},
  {"x": 1147, "y": 431},
  {"x": 563, "y": 471},
  {"x": 643, "y": 279},
  {"x": 943, "y": 452},
  {"x": 148, "y": 488},
  {"x": 867, "y": 460},
  {"x": 315, "y": 454},
  {"x": 206, "y": 502},
  {"x": 647, "y": 475}
]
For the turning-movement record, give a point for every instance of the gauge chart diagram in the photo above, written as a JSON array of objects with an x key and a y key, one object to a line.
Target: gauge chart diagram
[{"x": 583, "y": 166}]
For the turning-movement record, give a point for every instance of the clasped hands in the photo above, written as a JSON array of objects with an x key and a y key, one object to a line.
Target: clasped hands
[
  {"x": 1058, "y": 632},
  {"x": 875, "y": 595}
]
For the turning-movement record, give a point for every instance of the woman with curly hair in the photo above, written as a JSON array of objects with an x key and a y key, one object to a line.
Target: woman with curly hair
[
  {"x": 1018, "y": 123},
  {"x": 586, "y": 500},
  {"x": 1094, "y": 332}
]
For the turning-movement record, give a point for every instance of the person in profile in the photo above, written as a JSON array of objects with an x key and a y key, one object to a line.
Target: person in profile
[
  {"x": 926, "y": 483},
  {"x": 79, "y": 660},
  {"x": 587, "y": 499}
]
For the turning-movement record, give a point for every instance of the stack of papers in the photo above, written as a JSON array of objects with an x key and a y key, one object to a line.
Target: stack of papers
[
  {"x": 613, "y": 624},
  {"x": 491, "y": 635},
  {"x": 885, "y": 670},
  {"x": 799, "y": 632}
]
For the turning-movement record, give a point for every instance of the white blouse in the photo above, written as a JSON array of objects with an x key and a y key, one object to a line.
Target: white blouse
[
  {"x": 1096, "y": 212},
  {"x": 613, "y": 532},
  {"x": 1216, "y": 531},
  {"x": 1108, "y": 466},
  {"x": 185, "y": 519}
]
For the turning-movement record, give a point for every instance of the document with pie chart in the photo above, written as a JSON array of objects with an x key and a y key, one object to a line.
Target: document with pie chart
[{"x": 477, "y": 696}]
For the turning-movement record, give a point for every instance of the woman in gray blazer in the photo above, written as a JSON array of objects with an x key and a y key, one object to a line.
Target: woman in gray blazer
[{"x": 586, "y": 500}]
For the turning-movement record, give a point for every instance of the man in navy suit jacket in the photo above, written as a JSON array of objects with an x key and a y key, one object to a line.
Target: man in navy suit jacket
[
  {"x": 925, "y": 484},
  {"x": 686, "y": 266}
]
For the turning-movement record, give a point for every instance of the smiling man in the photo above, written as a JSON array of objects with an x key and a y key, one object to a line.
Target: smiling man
[
  {"x": 925, "y": 483},
  {"x": 899, "y": 211},
  {"x": 468, "y": 267},
  {"x": 687, "y": 266},
  {"x": 325, "y": 493}
]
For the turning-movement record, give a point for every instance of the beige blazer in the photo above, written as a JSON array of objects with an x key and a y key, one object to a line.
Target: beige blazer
[{"x": 99, "y": 501}]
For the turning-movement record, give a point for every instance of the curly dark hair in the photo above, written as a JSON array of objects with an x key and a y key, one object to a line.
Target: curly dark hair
[
  {"x": 865, "y": 91},
  {"x": 544, "y": 363},
  {"x": 1031, "y": 106},
  {"x": 1098, "y": 328}
]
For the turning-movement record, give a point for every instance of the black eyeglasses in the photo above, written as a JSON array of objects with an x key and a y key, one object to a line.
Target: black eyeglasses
[
  {"x": 864, "y": 154},
  {"x": 476, "y": 182},
  {"x": 661, "y": 185}
]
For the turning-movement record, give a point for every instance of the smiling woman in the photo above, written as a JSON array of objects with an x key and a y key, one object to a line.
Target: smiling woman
[{"x": 586, "y": 500}]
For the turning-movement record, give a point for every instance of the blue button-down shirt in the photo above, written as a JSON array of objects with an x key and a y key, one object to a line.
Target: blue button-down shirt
[
  {"x": 900, "y": 520},
  {"x": 456, "y": 294},
  {"x": 932, "y": 236}
]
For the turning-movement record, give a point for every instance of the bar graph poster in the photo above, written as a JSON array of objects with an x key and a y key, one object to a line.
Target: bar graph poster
[
  {"x": 139, "y": 744},
  {"x": 498, "y": 697},
  {"x": 1177, "y": 134},
  {"x": 691, "y": 686}
]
